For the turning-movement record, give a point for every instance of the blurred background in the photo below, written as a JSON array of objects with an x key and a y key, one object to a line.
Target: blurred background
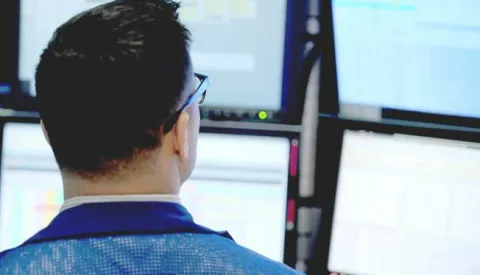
[{"x": 337, "y": 136}]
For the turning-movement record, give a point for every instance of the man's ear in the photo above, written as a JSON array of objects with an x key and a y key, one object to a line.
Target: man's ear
[
  {"x": 45, "y": 133},
  {"x": 181, "y": 136}
]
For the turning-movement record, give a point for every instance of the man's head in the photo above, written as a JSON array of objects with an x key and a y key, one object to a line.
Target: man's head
[{"x": 107, "y": 82}]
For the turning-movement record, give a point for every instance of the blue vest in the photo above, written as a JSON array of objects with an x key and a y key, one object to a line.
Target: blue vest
[{"x": 132, "y": 238}]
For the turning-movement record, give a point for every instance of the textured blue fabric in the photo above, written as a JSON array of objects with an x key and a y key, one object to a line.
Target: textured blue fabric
[{"x": 132, "y": 238}]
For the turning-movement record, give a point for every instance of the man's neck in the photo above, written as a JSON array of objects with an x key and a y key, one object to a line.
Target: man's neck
[{"x": 134, "y": 184}]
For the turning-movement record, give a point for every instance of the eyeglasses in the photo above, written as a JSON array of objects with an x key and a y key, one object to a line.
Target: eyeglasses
[{"x": 198, "y": 96}]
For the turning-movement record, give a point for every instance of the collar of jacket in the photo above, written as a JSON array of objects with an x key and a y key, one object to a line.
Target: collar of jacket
[{"x": 121, "y": 218}]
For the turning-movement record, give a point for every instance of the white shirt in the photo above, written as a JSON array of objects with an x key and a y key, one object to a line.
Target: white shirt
[{"x": 77, "y": 201}]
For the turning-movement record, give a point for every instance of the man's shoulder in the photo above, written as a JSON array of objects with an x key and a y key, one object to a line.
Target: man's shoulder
[
  {"x": 186, "y": 253},
  {"x": 2, "y": 254},
  {"x": 234, "y": 254}
]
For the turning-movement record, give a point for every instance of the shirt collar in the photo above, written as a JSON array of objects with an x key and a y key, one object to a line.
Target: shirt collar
[
  {"x": 120, "y": 218},
  {"x": 77, "y": 201}
]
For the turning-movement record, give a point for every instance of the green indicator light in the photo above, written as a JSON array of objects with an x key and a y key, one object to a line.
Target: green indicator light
[{"x": 262, "y": 115}]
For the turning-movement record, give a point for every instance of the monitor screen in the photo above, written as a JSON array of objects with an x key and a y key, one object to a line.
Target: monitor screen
[
  {"x": 406, "y": 205},
  {"x": 239, "y": 44},
  {"x": 239, "y": 184},
  {"x": 410, "y": 55}
]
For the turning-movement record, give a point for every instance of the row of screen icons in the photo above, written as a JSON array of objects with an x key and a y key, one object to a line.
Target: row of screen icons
[{"x": 238, "y": 115}]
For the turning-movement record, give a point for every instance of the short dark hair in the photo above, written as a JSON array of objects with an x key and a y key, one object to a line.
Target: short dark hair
[{"x": 107, "y": 81}]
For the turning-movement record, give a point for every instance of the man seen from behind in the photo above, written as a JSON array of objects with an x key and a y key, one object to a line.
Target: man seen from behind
[{"x": 118, "y": 98}]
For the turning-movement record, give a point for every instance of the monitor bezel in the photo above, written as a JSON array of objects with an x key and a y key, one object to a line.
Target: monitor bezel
[
  {"x": 329, "y": 97},
  {"x": 8, "y": 49},
  {"x": 293, "y": 50},
  {"x": 329, "y": 149},
  {"x": 292, "y": 134}
]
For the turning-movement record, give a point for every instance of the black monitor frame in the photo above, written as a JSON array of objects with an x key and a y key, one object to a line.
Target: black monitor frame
[
  {"x": 388, "y": 113},
  {"x": 329, "y": 149},
  {"x": 329, "y": 100},
  {"x": 8, "y": 50},
  {"x": 251, "y": 129},
  {"x": 291, "y": 103}
]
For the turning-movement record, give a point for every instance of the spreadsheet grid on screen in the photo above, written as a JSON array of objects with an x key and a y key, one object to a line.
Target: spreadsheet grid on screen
[
  {"x": 229, "y": 44},
  {"x": 419, "y": 55},
  {"x": 406, "y": 205},
  {"x": 239, "y": 184}
]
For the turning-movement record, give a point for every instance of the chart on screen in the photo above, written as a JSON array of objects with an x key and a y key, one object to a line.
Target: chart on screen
[
  {"x": 419, "y": 55},
  {"x": 406, "y": 205}
]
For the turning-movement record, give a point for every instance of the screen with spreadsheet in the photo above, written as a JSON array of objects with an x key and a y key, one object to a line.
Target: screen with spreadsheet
[
  {"x": 239, "y": 184},
  {"x": 406, "y": 205},
  {"x": 239, "y": 44},
  {"x": 417, "y": 55}
]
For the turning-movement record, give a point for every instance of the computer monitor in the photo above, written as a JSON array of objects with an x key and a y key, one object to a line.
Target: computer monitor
[
  {"x": 244, "y": 46},
  {"x": 231, "y": 46},
  {"x": 240, "y": 184},
  {"x": 410, "y": 55},
  {"x": 405, "y": 203},
  {"x": 8, "y": 44}
]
